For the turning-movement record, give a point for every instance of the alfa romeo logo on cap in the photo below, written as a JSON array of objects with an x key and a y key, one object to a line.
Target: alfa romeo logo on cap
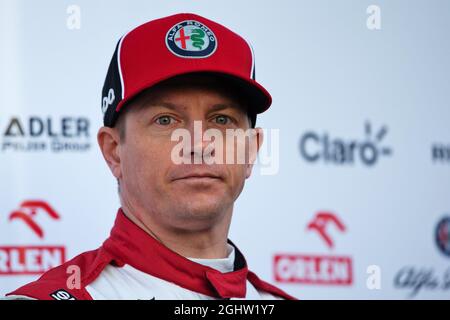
[{"x": 191, "y": 39}]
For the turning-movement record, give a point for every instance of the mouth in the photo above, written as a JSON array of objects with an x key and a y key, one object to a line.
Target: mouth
[
  {"x": 198, "y": 178},
  {"x": 207, "y": 176}
]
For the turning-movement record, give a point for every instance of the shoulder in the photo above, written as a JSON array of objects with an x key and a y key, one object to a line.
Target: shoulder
[{"x": 68, "y": 281}]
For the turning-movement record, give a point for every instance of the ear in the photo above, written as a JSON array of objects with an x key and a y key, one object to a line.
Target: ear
[
  {"x": 256, "y": 141},
  {"x": 108, "y": 140}
]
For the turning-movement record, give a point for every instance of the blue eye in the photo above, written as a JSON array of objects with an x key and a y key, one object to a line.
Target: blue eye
[
  {"x": 164, "y": 120},
  {"x": 222, "y": 119}
]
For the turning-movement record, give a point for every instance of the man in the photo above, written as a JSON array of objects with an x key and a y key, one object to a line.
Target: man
[{"x": 179, "y": 76}]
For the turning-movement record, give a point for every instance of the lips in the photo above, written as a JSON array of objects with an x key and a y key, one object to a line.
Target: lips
[
  {"x": 187, "y": 174},
  {"x": 198, "y": 176}
]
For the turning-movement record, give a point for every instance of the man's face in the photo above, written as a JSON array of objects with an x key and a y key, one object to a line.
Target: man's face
[{"x": 181, "y": 196}]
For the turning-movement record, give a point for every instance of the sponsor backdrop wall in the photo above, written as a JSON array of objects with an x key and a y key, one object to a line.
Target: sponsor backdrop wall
[{"x": 356, "y": 204}]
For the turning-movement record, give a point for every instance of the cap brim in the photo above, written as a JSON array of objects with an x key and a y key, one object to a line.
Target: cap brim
[{"x": 259, "y": 99}]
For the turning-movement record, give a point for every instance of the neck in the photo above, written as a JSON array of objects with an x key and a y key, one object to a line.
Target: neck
[{"x": 207, "y": 243}]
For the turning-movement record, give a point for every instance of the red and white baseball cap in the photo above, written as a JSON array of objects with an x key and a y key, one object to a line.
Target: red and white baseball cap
[{"x": 176, "y": 45}]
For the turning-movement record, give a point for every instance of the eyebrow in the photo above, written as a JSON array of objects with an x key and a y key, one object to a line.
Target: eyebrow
[{"x": 214, "y": 108}]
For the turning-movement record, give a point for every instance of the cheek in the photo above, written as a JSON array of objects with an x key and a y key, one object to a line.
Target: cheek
[
  {"x": 146, "y": 162},
  {"x": 235, "y": 153},
  {"x": 237, "y": 150},
  {"x": 237, "y": 176}
]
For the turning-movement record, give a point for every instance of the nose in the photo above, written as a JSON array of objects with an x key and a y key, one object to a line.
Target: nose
[{"x": 200, "y": 149}]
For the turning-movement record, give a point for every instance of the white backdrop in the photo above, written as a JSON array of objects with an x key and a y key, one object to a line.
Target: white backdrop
[{"x": 346, "y": 78}]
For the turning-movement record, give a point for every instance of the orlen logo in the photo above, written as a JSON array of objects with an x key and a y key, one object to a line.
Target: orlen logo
[
  {"x": 316, "y": 147},
  {"x": 31, "y": 259},
  {"x": 321, "y": 223},
  {"x": 316, "y": 269},
  {"x": 28, "y": 211}
]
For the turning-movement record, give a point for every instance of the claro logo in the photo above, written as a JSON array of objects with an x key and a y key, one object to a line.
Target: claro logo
[
  {"x": 315, "y": 147},
  {"x": 37, "y": 258}
]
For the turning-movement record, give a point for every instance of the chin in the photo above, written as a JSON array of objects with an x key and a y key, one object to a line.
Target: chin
[{"x": 202, "y": 206}]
